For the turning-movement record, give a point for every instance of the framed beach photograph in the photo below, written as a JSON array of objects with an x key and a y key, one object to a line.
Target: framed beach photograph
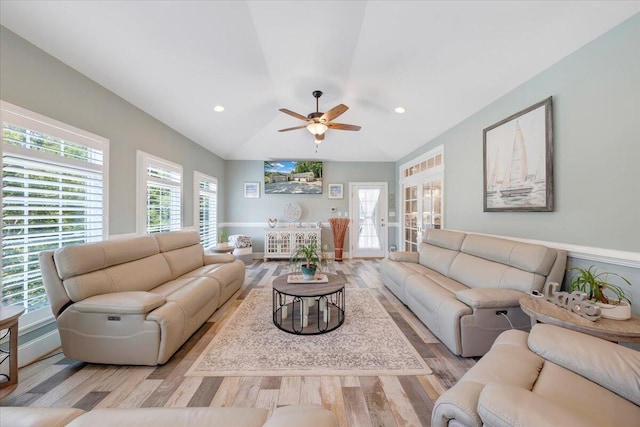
[
  {"x": 335, "y": 191},
  {"x": 251, "y": 190},
  {"x": 518, "y": 161}
]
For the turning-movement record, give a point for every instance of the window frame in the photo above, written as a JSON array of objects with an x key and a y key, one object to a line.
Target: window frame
[
  {"x": 197, "y": 177},
  {"x": 143, "y": 161},
  {"x": 39, "y": 123}
]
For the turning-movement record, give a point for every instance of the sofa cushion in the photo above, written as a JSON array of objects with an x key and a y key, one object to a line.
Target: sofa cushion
[
  {"x": 612, "y": 366},
  {"x": 141, "y": 275},
  {"x": 445, "y": 238},
  {"x": 477, "y": 272},
  {"x": 427, "y": 292},
  {"x": 436, "y": 258},
  {"x": 121, "y": 303},
  {"x": 173, "y": 417},
  {"x": 37, "y": 417},
  {"x": 524, "y": 256},
  {"x": 503, "y": 405},
  {"x": 184, "y": 260},
  {"x": 176, "y": 240},
  {"x": 490, "y": 297},
  {"x": 80, "y": 259},
  {"x": 302, "y": 415},
  {"x": 194, "y": 294},
  {"x": 559, "y": 385}
]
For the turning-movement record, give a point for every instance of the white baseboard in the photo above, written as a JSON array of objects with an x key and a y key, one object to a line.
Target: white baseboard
[{"x": 38, "y": 347}]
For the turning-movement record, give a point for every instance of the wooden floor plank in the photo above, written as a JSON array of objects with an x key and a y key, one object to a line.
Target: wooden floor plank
[
  {"x": 268, "y": 399},
  {"x": 90, "y": 400},
  {"x": 206, "y": 391},
  {"x": 421, "y": 402},
  {"x": 332, "y": 398},
  {"x": 289, "y": 391},
  {"x": 227, "y": 392},
  {"x": 248, "y": 393},
  {"x": 311, "y": 390},
  {"x": 140, "y": 394},
  {"x": 376, "y": 401},
  {"x": 183, "y": 394},
  {"x": 399, "y": 403},
  {"x": 356, "y": 407},
  {"x": 133, "y": 379}
]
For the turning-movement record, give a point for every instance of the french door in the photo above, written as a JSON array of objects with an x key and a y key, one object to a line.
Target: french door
[
  {"x": 368, "y": 230},
  {"x": 421, "y": 183},
  {"x": 422, "y": 210}
]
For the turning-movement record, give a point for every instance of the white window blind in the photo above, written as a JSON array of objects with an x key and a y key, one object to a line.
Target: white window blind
[
  {"x": 53, "y": 195},
  {"x": 160, "y": 194},
  {"x": 206, "y": 195}
]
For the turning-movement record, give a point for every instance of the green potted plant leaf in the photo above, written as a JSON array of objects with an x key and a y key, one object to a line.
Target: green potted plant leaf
[
  {"x": 223, "y": 236},
  {"x": 308, "y": 257},
  {"x": 595, "y": 284}
]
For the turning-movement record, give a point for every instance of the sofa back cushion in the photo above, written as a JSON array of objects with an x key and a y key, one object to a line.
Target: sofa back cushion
[
  {"x": 524, "y": 256},
  {"x": 80, "y": 259},
  {"x": 478, "y": 272},
  {"x": 140, "y": 275},
  {"x": 436, "y": 257},
  {"x": 182, "y": 251},
  {"x": 444, "y": 238}
]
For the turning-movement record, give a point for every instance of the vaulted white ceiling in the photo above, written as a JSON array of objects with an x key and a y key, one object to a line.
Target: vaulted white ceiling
[{"x": 440, "y": 60}]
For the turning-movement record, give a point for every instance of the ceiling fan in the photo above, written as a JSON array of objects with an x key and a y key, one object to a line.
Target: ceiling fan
[{"x": 318, "y": 122}]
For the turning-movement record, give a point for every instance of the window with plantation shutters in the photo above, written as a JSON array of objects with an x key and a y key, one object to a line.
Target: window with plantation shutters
[
  {"x": 54, "y": 190},
  {"x": 159, "y": 194},
  {"x": 206, "y": 208}
]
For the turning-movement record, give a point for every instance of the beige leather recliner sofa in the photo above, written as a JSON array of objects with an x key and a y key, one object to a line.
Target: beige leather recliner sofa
[
  {"x": 286, "y": 416},
  {"x": 550, "y": 377},
  {"x": 458, "y": 284},
  {"x": 135, "y": 300}
]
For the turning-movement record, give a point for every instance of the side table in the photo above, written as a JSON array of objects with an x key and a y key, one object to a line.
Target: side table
[
  {"x": 222, "y": 249},
  {"x": 9, "y": 321},
  {"x": 611, "y": 330}
]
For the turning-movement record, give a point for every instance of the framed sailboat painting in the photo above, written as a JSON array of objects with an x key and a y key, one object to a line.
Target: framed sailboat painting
[{"x": 518, "y": 161}]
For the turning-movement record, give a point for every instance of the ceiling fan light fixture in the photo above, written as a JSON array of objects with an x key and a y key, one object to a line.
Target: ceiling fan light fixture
[{"x": 317, "y": 128}]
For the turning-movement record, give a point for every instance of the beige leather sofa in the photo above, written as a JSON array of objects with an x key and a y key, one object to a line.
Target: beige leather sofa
[
  {"x": 458, "y": 284},
  {"x": 550, "y": 377},
  {"x": 286, "y": 416},
  {"x": 135, "y": 300}
]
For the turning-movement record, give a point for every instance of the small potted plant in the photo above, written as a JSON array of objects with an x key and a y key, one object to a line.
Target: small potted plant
[
  {"x": 223, "y": 237},
  {"x": 595, "y": 284},
  {"x": 309, "y": 257}
]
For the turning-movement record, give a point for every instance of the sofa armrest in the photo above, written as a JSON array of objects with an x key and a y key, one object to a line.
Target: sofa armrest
[
  {"x": 489, "y": 297},
  {"x": 404, "y": 256},
  {"x": 502, "y": 405},
  {"x": 605, "y": 363},
  {"x": 19, "y": 416},
  {"x": 218, "y": 258},
  {"x": 458, "y": 403},
  {"x": 137, "y": 302},
  {"x": 302, "y": 415}
]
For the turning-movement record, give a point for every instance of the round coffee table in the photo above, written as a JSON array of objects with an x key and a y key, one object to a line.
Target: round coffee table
[{"x": 308, "y": 308}]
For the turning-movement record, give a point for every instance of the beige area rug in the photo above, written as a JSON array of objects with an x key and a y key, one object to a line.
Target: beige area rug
[{"x": 368, "y": 343}]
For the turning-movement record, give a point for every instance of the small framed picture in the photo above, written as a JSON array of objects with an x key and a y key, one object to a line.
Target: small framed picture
[
  {"x": 335, "y": 191},
  {"x": 251, "y": 190}
]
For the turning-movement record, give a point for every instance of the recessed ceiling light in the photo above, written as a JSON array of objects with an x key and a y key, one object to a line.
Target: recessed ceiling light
[
  {"x": 218, "y": 108},
  {"x": 399, "y": 110}
]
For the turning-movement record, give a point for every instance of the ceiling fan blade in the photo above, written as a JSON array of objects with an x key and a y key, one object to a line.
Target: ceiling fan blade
[
  {"x": 343, "y": 126},
  {"x": 294, "y": 114},
  {"x": 333, "y": 113},
  {"x": 294, "y": 128}
]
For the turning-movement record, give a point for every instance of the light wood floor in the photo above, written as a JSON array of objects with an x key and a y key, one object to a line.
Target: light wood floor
[{"x": 356, "y": 401}]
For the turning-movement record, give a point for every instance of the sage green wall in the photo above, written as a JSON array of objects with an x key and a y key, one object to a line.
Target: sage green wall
[
  {"x": 596, "y": 126},
  {"x": 315, "y": 207},
  {"x": 32, "y": 79}
]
